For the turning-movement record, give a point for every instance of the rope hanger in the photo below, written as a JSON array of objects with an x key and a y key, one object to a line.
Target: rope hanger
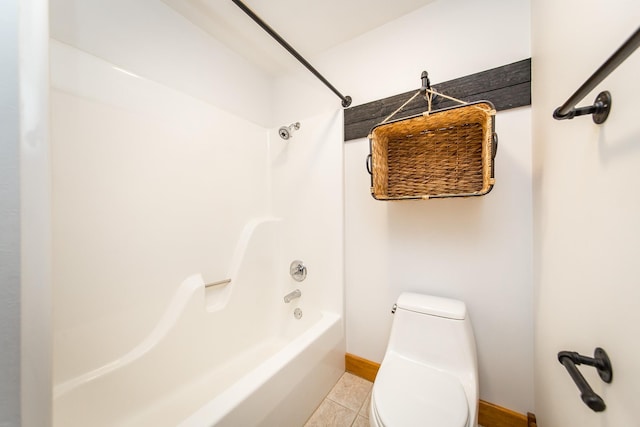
[{"x": 429, "y": 94}]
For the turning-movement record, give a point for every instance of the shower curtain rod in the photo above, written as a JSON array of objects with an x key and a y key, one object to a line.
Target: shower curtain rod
[
  {"x": 602, "y": 104},
  {"x": 346, "y": 100}
]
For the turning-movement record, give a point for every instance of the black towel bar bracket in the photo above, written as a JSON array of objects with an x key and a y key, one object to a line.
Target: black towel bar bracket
[
  {"x": 600, "y": 361},
  {"x": 599, "y": 110},
  {"x": 602, "y": 105}
]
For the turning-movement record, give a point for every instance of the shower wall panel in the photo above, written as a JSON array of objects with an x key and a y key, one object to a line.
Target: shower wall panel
[
  {"x": 307, "y": 180},
  {"x": 150, "y": 186},
  {"x": 149, "y": 38}
]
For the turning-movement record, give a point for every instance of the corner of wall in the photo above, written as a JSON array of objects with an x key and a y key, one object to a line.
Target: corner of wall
[
  {"x": 35, "y": 174},
  {"x": 9, "y": 216}
]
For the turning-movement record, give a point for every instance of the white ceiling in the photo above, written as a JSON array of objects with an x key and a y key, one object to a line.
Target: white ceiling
[{"x": 311, "y": 27}]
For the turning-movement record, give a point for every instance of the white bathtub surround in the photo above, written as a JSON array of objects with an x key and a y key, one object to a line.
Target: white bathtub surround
[
  {"x": 190, "y": 286},
  {"x": 136, "y": 184},
  {"x": 307, "y": 188},
  {"x": 149, "y": 39},
  {"x": 158, "y": 190},
  {"x": 195, "y": 354},
  {"x": 264, "y": 232}
]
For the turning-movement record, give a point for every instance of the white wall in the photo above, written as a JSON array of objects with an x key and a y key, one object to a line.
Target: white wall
[
  {"x": 449, "y": 39},
  {"x": 586, "y": 212},
  {"x": 9, "y": 218},
  {"x": 478, "y": 250}
]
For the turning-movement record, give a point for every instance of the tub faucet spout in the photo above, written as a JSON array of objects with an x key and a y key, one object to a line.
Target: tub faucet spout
[{"x": 292, "y": 295}]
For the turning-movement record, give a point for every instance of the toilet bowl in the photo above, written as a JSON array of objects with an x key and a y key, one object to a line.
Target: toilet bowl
[{"x": 429, "y": 374}]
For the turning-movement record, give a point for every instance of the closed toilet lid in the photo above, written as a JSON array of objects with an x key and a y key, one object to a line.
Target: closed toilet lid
[{"x": 406, "y": 393}]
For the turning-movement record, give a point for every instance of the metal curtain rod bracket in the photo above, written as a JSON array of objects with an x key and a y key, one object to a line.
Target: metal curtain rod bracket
[
  {"x": 602, "y": 105},
  {"x": 600, "y": 361},
  {"x": 346, "y": 100}
]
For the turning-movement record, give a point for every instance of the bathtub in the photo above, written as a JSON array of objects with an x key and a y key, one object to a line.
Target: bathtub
[
  {"x": 234, "y": 355},
  {"x": 284, "y": 389}
]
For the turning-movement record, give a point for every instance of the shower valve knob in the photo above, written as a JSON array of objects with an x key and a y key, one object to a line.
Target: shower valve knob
[{"x": 298, "y": 271}]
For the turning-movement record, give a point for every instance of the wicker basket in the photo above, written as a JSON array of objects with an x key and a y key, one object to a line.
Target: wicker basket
[{"x": 448, "y": 153}]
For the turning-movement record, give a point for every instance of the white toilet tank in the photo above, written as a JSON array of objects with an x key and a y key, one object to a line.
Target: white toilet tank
[{"x": 437, "y": 332}]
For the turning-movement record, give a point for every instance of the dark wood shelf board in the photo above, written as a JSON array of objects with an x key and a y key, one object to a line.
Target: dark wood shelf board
[{"x": 508, "y": 86}]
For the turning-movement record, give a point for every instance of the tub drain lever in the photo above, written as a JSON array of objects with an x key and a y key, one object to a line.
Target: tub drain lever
[{"x": 600, "y": 360}]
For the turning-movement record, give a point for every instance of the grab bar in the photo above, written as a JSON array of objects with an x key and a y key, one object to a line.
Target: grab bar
[
  {"x": 600, "y": 360},
  {"x": 602, "y": 105},
  {"x": 218, "y": 283}
]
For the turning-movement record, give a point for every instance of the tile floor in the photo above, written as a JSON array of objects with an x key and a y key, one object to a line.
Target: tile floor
[{"x": 346, "y": 405}]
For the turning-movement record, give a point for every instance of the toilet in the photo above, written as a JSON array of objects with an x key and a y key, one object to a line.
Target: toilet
[{"x": 429, "y": 374}]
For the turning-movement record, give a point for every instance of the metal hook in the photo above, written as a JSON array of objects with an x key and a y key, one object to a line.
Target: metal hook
[{"x": 426, "y": 84}]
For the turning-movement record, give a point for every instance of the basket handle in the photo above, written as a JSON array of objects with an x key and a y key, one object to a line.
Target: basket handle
[
  {"x": 368, "y": 164},
  {"x": 494, "y": 145}
]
